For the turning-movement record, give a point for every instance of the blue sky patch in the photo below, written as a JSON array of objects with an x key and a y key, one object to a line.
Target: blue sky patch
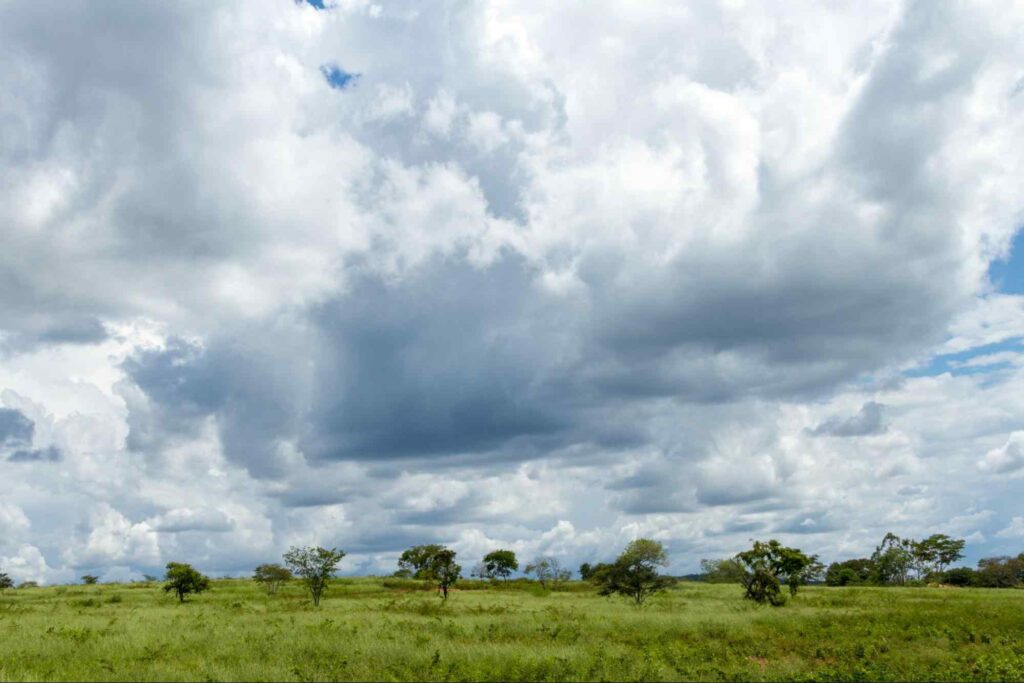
[
  {"x": 338, "y": 78},
  {"x": 958, "y": 363},
  {"x": 1008, "y": 275},
  {"x": 319, "y": 4}
]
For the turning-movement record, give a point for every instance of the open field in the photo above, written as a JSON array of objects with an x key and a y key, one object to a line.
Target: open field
[{"x": 366, "y": 630}]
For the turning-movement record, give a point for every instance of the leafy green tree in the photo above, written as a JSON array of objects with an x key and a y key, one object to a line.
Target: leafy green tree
[
  {"x": 90, "y": 579},
  {"x": 5, "y": 582},
  {"x": 443, "y": 570},
  {"x": 935, "y": 553},
  {"x": 586, "y": 571},
  {"x": 721, "y": 571},
  {"x": 893, "y": 559},
  {"x": 272, "y": 577},
  {"x": 183, "y": 579},
  {"x": 768, "y": 564},
  {"x": 960, "y": 576},
  {"x": 415, "y": 561},
  {"x": 548, "y": 571},
  {"x": 28, "y": 584},
  {"x": 1001, "y": 572},
  {"x": 500, "y": 563},
  {"x": 850, "y": 572},
  {"x": 635, "y": 573},
  {"x": 315, "y": 566},
  {"x": 149, "y": 578}
]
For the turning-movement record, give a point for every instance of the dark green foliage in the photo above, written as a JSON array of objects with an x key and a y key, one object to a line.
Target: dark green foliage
[
  {"x": 5, "y": 581},
  {"x": 893, "y": 559},
  {"x": 315, "y": 566},
  {"x": 28, "y": 584},
  {"x": 500, "y": 563},
  {"x": 850, "y": 572},
  {"x": 960, "y": 576},
  {"x": 1001, "y": 572},
  {"x": 935, "y": 553},
  {"x": 271, "y": 577},
  {"x": 548, "y": 570},
  {"x": 183, "y": 580},
  {"x": 721, "y": 571},
  {"x": 443, "y": 570},
  {"x": 90, "y": 580},
  {"x": 768, "y": 565},
  {"x": 414, "y": 562},
  {"x": 635, "y": 573},
  {"x": 586, "y": 571}
]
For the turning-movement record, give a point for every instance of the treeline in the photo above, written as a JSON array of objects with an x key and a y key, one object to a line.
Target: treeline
[
  {"x": 897, "y": 562},
  {"x": 762, "y": 571}
]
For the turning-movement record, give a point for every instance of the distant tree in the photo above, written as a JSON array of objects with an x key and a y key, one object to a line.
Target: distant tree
[
  {"x": 28, "y": 584},
  {"x": 768, "y": 564},
  {"x": 500, "y": 563},
  {"x": 149, "y": 578},
  {"x": 479, "y": 571},
  {"x": 850, "y": 572},
  {"x": 184, "y": 579},
  {"x": 1001, "y": 572},
  {"x": 90, "y": 580},
  {"x": 315, "y": 566},
  {"x": 960, "y": 576},
  {"x": 416, "y": 560},
  {"x": 5, "y": 582},
  {"x": 635, "y": 572},
  {"x": 548, "y": 571},
  {"x": 935, "y": 553},
  {"x": 586, "y": 571},
  {"x": 443, "y": 570},
  {"x": 893, "y": 559},
  {"x": 271, "y": 577},
  {"x": 721, "y": 571}
]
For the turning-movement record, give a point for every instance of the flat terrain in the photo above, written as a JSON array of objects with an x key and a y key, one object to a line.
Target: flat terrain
[{"x": 367, "y": 630}]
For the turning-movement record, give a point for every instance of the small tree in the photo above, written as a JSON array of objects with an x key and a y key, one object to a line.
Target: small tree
[
  {"x": 893, "y": 559},
  {"x": 5, "y": 582},
  {"x": 271, "y": 577},
  {"x": 415, "y": 562},
  {"x": 90, "y": 579},
  {"x": 721, "y": 571},
  {"x": 315, "y": 566},
  {"x": 500, "y": 563},
  {"x": 548, "y": 570},
  {"x": 635, "y": 573},
  {"x": 443, "y": 570},
  {"x": 183, "y": 579},
  {"x": 28, "y": 584},
  {"x": 767, "y": 565},
  {"x": 586, "y": 571}
]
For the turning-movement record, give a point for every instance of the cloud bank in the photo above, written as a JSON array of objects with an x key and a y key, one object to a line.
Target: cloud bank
[{"x": 549, "y": 277}]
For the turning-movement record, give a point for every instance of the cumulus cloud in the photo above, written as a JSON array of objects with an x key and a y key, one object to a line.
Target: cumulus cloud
[
  {"x": 369, "y": 276},
  {"x": 1006, "y": 459}
]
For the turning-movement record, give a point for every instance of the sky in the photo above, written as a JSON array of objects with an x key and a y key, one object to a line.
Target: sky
[{"x": 541, "y": 276}]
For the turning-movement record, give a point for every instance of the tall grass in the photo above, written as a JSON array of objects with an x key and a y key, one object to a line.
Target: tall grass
[{"x": 379, "y": 629}]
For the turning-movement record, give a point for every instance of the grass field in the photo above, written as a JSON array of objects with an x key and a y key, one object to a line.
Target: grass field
[{"x": 366, "y": 630}]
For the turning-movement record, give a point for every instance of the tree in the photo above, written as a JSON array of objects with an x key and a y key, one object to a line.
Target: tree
[
  {"x": 90, "y": 580},
  {"x": 415, "y": 561},
  {"x": 850, "y": 572},
  {"x": 5, "y": 582},
  {"x": 635, "y": 572},
  {"x": 935, "y": 553},
  {"x": 315, "y": 566},
  {"x": 1001, "y": 572},
  {"x": 28, "y": 584},
  {"x": 586, "y": 571},
  {"x": 271, "y": 577},
  {"x": 183, "y": 579},
  {"x": 893, "y": 559},
  {"x": 768, "y": 565},
  {"x": 548, "y": 570},
  {"x": 442, "y": 569},
  {"x": 149, "y": 578},
  {"x": 721, "y": 571},
  {"x": 960, "y": 576},
  {"x": 500, "y": 563}
]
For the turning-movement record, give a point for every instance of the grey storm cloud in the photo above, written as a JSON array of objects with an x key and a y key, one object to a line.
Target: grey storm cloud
[
  {"x": 869, "y": 420},
  {"x": 509, "y": 286},
  {"x": 15, "y": 428}
]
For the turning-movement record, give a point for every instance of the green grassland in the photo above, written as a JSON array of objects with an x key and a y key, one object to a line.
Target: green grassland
[{"x": 391, "y": 630}]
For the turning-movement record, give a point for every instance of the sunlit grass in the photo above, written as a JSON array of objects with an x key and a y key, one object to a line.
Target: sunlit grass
[{"x": 366, "y": 630}]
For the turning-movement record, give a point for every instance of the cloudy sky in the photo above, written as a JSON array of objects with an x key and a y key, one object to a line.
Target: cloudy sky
[{"x": 546, "y": 276}]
